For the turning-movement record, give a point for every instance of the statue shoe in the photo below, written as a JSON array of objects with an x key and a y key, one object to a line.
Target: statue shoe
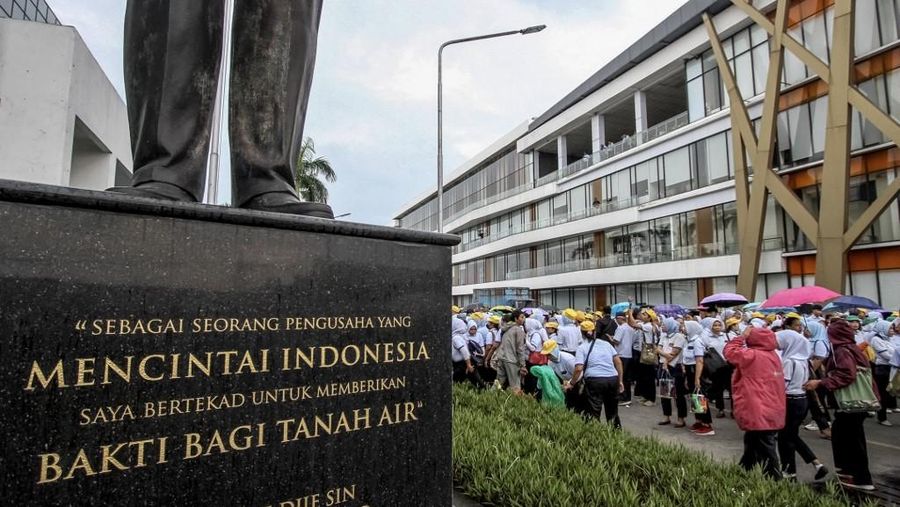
[
  {"x": 286, "y": 202},
  {"x": 156, "y": 190}
]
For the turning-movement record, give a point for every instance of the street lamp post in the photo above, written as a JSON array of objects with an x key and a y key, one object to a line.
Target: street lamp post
[{"x": 440, "y": 140}]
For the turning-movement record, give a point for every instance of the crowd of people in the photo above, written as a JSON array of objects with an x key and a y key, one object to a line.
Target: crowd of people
[{"x": 841, "y": 368}]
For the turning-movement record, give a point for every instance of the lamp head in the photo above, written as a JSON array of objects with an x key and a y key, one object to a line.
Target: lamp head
[{"x": 532, "y": 29}]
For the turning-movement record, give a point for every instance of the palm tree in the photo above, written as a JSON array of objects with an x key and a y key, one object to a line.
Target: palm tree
[{"x": 309, "y": 170}]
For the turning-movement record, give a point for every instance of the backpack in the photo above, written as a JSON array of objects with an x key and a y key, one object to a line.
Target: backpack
[{"x": 476, "y": 351}]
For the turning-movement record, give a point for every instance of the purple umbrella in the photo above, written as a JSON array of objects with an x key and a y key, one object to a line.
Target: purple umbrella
[
  {"x": 670, "y": 310},
  {"x": 724, "y": 299}
]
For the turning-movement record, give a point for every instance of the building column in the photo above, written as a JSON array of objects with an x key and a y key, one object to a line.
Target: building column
[
  {"x": 562, "y": 153},
  {"x": 640, "y": 114},
  {"x": 536, "y": 164},
  {"x": 598, "y": 132},
  {"x": 831, "y": 256}
]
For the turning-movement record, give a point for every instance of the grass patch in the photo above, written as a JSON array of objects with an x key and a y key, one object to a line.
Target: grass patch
[{"x": 511, "y": 451}]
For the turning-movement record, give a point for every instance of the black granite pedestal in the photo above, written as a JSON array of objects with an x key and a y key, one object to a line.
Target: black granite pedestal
[{"x": 179, "y": 354}]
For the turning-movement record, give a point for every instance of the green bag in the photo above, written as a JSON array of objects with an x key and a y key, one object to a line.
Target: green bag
[
  {"x": 858, "y": 396},
  {"x": 894, "y": 387}
]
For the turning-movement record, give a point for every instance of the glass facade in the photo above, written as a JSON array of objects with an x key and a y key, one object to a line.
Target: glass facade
[
  {"x": 864, "y": 189},
  {"x": 706, "y": 232},
  {"x": 31, "y": 10},
  {"x": 747, "y": 52},
  {"x": 499, "y": 178},
  {"x": 690, "y": 167}
]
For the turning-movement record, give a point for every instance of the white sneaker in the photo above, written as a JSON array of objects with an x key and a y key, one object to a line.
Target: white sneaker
[
  {"x": 812, "y": 426},
  {"x": 885, "y": 423},
  {"x": 624, "y": 403},
  {"x": 648, "y": 403}
]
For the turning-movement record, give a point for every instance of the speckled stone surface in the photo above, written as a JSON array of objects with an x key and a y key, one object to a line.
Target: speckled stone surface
[{"x": 328, "y": 378}]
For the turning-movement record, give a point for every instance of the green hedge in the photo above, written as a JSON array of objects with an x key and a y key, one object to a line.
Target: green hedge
[{"x": 511, "y": 451}]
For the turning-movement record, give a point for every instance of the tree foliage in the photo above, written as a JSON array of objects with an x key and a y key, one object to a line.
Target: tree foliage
[{"x": 309, "y": 172}]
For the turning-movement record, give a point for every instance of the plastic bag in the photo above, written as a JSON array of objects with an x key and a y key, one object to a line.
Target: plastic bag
[
  {"x": 699, "y": 404},
  {"x": 665, "y": 385}
]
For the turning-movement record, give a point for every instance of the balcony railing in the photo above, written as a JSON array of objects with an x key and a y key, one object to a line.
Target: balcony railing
[
  {"x": 579, "y": 165},
  {"x": 632, "y": 259},
  {"x": 624, "y": 259},
  {"x": 479, "y": 203},
  {"x": 598, "y": 209},
  {"x": 661, "y": 129}
]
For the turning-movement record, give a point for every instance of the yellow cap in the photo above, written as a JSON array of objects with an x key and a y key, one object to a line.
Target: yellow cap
[
  {"x": 570, "y": 313},
  {"x": 476, "y": 316},
  {"x": 770, "y": 318},
  {"x": 731, "y": 322},
  {"x": 549, "y": 345},
  {"x": 494, "y": 319},
  {"x": 651, "y": 313},
  {"x": 580, "y": 316},
  {"x": 454, "y": 309},
  {"x": 587, "y": 326},
  {"x": 794, "y": 315},
  {"x": 757, "y": 315},
  {"x": 552, "y": 325}
]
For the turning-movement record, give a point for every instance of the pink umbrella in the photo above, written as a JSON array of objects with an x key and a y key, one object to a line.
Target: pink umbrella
[{"x": 799, "y": 296}]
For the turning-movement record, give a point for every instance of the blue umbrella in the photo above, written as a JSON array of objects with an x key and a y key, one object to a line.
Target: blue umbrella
[
  {"x": 845, "y": 302},
  {"x": 619, "y": 308}
]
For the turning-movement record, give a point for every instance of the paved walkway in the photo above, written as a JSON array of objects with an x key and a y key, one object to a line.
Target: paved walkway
[{"x": 727, "y": 444}]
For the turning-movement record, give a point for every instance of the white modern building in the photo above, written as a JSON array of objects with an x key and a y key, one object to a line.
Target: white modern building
[
  {"x": 625, "y": 188},
  {"x": 61, "y": 120}
]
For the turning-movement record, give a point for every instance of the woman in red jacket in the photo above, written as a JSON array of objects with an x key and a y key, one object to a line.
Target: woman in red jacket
[
  {"x": 848, "y": 439},
  {"x": 759, "y": 401}
]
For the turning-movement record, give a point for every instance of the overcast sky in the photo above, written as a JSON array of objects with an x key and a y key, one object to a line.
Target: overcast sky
[{"x": 372, "y": 111}]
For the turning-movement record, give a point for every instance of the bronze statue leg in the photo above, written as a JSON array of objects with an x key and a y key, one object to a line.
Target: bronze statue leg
[
  {"x": 172, "y": 53},
  {"x": 274, "y": 52}
]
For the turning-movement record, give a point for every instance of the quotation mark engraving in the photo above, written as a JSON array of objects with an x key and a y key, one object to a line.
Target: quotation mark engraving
[{"x": 81, "y": 325}]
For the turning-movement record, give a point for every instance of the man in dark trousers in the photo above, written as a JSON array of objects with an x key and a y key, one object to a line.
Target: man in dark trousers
[{"x": 172, "y": 57}]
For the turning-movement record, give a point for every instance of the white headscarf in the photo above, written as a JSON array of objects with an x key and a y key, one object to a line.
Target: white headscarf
[{"x": 459, "y": 327}]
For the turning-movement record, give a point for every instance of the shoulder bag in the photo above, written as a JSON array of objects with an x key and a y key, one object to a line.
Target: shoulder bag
[
  {"x": 579, "y": 386},
  {"x": 712, "y": 361},
  {"x": 859, "y": 396},
  {"x": 648, "y": 350}
]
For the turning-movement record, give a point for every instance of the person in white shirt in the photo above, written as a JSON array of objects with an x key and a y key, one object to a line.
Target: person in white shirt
[
  {"x": 597, "y": 361},
  {"x": 646, "y": 333},
  {"x": 568, "y": 334},
  {"x": 795, "y": 350},
  {"x": 880, "y": 341},
  {"x": 820, "y": 350},
  {"x": 623, "y": 340},
  {"x": 670, "y": 348},
  {"x": 692, "y": 360},
  {"x": 476, "y": 342},
  {"x": 714, "y": 338},
  {"x": 463, "y": 369},
  {"x": 534, "y": 342}
]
